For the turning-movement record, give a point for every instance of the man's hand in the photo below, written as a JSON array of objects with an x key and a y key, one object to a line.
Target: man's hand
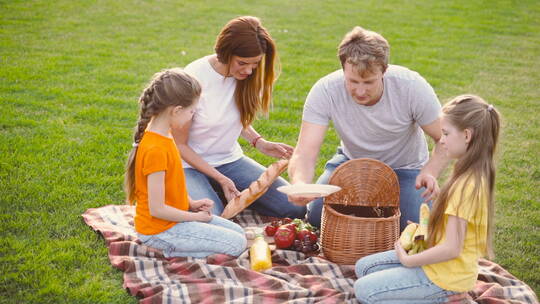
[
  {"x": 429, "y": 182},
  {"x": 301, "y": 200},
  {"x": 274, "y": 149}
]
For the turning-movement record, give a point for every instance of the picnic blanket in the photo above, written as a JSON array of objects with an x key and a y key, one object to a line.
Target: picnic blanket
[{"x": 294, "y": 277}]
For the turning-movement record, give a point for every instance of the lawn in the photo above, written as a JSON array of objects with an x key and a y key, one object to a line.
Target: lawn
[{"x": 71, "y": 73}]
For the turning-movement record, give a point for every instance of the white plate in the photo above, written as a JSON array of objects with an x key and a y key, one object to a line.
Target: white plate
[{"x": 309, "y": 190}]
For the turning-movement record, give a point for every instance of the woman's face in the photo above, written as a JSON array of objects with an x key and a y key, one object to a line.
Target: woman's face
[{"x": 242, "y": 67}]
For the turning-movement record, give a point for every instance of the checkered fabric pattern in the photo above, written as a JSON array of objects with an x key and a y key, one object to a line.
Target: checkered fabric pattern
[{"x": 294, "y": 277}]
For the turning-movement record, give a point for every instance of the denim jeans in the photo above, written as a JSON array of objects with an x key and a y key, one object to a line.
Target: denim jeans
[
  {"x": 383, "y": 279},
  {"x": 242, "y": 172},
  {"x": 410, "y": 198},
  {"x": 198, "y": 239}
]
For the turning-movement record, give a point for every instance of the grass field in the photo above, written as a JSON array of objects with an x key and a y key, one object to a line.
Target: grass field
[{"x": 71, "y": 73}]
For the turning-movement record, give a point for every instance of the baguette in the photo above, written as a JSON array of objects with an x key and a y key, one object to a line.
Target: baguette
[{"x": 255, "y": 190}]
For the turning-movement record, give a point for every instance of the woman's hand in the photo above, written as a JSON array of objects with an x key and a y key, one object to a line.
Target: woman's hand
[
  {"x": 229, "y": 189},
  {"x": 201, "y": 205},
  {"x": 274, "y": 149},
  {"x": 401, "y": 254}
]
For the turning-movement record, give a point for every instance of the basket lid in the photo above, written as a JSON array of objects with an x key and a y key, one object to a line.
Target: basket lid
[{"x": 364, "y": 182}]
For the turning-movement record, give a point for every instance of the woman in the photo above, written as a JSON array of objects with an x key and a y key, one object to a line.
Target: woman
[{"x": 236, "y": 85}]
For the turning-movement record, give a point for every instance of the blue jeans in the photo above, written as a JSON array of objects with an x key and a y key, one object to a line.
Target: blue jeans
[
  {"x": 198, "y": 239},
  {"x": 242, "y": 172},
  {"x": 383, "y": 279},
  {"x": 410, "y": 198}
]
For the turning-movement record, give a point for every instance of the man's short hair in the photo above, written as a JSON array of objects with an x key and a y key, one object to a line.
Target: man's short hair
[{"x": 364, "y": 50}]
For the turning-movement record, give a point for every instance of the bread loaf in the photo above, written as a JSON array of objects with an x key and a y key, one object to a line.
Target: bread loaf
[{"x": 255, "y": 190}]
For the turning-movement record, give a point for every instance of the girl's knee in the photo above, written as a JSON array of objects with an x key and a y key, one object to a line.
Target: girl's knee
[
  {"x": 360, "y": 290},
  {"x": 360, "y": 267},
  {"x": 239, "y": 245},
  {"x": 238, "y": 229}
]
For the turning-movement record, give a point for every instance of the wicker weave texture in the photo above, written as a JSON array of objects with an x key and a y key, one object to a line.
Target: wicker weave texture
[
  {"x": 365, "y": 182},
  {"x": 362, "y": 218}
]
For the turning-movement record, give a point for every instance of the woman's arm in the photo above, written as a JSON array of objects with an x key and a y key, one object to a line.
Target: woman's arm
[
  {"x": 181, "y": 136},
  {"x": 450, "y": 249},
  {"x": 158, "y": 208},
  {"x": 270, "y": 148}
]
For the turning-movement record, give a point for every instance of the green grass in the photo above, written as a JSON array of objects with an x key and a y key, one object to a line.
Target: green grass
[{"x": 71, "y": 72}]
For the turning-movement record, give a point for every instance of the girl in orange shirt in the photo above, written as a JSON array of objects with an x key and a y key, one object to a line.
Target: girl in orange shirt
[
  {"x": 166, "y": 217},
  {"x": 459, "y": 230}
]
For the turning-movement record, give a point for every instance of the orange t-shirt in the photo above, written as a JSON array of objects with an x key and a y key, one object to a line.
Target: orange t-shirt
[{"x": 158, "y": 153}]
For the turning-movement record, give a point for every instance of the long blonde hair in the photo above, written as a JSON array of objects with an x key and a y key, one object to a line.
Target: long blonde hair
[
  {"x": 172, "y": 87},
  {"x": 476, "y": 165},
  {"x": 246, "y": 37}
]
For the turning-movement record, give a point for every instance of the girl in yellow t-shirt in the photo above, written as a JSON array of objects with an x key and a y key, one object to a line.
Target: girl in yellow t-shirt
[
  {"x": 460, "y": 224},
  {"x": 166, "y": 217}
]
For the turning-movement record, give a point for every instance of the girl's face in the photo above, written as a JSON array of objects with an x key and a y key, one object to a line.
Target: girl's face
[
  {"x": 182, "y": 115},
  {"x": 242, "y": 67},
  {"x": 453, "y": 140}
]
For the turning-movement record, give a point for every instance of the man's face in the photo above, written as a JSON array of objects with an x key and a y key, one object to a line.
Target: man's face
[
  {"x": 242, "y": 67},
  {"x": 366, "y": 90}
]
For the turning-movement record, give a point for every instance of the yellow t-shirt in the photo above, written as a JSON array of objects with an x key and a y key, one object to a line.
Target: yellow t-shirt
[
  {"x": 158, "y": 153},
  {"x": 460, "y": 274}
]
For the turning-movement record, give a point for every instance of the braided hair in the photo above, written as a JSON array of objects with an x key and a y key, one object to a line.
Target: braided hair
[{"x": 172, "y": 87}]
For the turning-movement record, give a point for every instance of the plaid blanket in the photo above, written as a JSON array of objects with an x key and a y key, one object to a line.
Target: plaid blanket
[{"x": 294, "y": 277}]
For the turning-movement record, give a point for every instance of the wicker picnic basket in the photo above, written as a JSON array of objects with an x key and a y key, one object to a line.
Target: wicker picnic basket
[{"x": 362, "y": 218}]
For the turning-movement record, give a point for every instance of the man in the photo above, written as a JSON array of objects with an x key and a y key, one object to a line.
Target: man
[{"x": 379, "y": 111}]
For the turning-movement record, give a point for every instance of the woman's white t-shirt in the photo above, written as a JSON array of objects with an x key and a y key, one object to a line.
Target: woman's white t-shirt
[{"x": 216, "y": 124}]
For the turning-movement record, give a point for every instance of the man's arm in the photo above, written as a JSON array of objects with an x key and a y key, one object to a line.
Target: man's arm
[
  {"x": 437, "y": 162},
  {"x": 302, "y": 163}
]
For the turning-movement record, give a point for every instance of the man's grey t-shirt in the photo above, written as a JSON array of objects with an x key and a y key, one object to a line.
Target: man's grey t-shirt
[{"x": 388, "y": 131}]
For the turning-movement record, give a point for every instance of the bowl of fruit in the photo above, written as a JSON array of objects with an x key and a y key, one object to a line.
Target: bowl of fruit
[{"x": 294, "y": 235}]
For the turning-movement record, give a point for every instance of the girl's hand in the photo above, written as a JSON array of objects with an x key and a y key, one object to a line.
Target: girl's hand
[
  {"x": 203, "y": 216},
  {"x": 401, "y": 254},
  {"x": 277, "y": 150},
  {"x": 201, "y": 205},
  {"x": 229, "y": 189}
]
